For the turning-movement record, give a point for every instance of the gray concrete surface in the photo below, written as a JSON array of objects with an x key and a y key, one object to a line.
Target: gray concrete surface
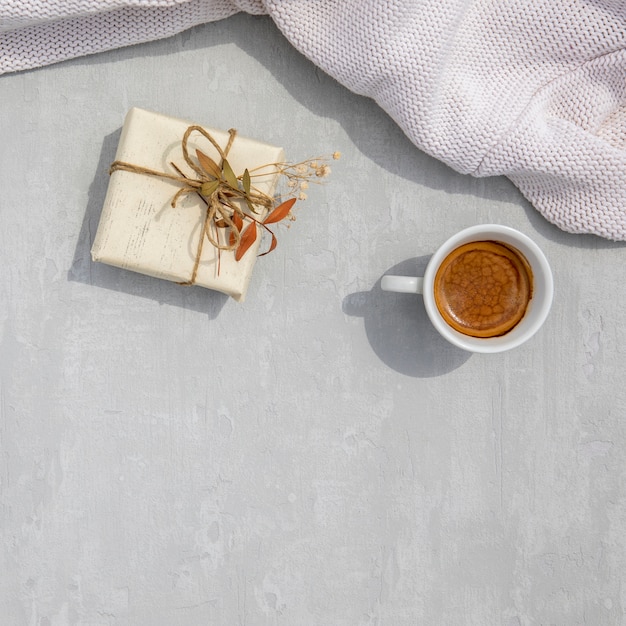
[{"x": 316, "y": 455}]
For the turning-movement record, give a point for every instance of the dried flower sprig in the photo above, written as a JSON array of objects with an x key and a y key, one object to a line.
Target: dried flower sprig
[{"x": 240, "y": 206}]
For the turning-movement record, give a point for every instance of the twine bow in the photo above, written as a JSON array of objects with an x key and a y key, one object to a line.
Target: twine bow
[{"x": 217, "y": 186}]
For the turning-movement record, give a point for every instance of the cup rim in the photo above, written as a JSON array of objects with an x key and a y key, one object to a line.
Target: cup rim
[{"x": 540, "y": 303}]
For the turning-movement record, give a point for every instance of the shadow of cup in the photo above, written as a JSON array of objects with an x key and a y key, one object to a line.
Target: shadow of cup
[{"x": 399, "y": 330}]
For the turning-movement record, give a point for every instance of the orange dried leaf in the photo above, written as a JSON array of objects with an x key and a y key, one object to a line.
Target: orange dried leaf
[
  {"x": 280, "y": 212},
  {"x": 248, "y": 237},
  {"x": 272, "y": 245},
  {"x": 238, "y": 222},
  {"x": 208, "y": 164}
]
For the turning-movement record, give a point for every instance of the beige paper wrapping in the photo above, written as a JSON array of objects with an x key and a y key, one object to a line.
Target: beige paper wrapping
[{"x": 140, "y": 231}]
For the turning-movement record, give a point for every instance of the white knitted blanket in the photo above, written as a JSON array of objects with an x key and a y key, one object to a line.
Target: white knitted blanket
[{"x": 531, "y": 89}]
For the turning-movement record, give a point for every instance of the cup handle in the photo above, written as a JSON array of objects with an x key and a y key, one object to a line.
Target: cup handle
[{"x": 402, "y": 284}]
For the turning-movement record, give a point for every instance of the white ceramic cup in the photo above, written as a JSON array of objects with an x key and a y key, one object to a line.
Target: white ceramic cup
[{"x": 536, "y": 312}]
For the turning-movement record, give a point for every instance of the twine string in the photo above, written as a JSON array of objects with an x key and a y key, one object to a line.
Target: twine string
[{"x": 219, "y": 206}]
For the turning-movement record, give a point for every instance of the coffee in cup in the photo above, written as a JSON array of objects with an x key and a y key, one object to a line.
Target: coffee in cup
[
  {"x": 486, "y": 289},
  {"x": 482, "y": 288}
]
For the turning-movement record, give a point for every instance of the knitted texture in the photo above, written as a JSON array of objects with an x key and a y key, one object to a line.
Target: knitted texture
[{"x": 532, "y": 90}]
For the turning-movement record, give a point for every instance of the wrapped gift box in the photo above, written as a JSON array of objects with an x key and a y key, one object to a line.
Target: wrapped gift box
[{"x": 139, "y": 230}]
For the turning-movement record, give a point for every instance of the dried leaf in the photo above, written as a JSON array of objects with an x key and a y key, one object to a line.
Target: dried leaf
[
  {"x": 208, "y": 164},
  {"x": 248, "y": 237},
  {"x": 221, "y": 223},
  {"x": 280, "y": 212},
  {"x": 229, "y": 175},
  {"x": 272, "y": 245},
  {"x": 246, "y": 181},
  {"x": 238, "y": 222},
  {"x": 208, "y": 189},
  {"x": 251, "y": 206}
]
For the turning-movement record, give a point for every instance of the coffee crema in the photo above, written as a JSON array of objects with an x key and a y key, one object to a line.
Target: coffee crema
[{"x": 482, "y": 288}]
